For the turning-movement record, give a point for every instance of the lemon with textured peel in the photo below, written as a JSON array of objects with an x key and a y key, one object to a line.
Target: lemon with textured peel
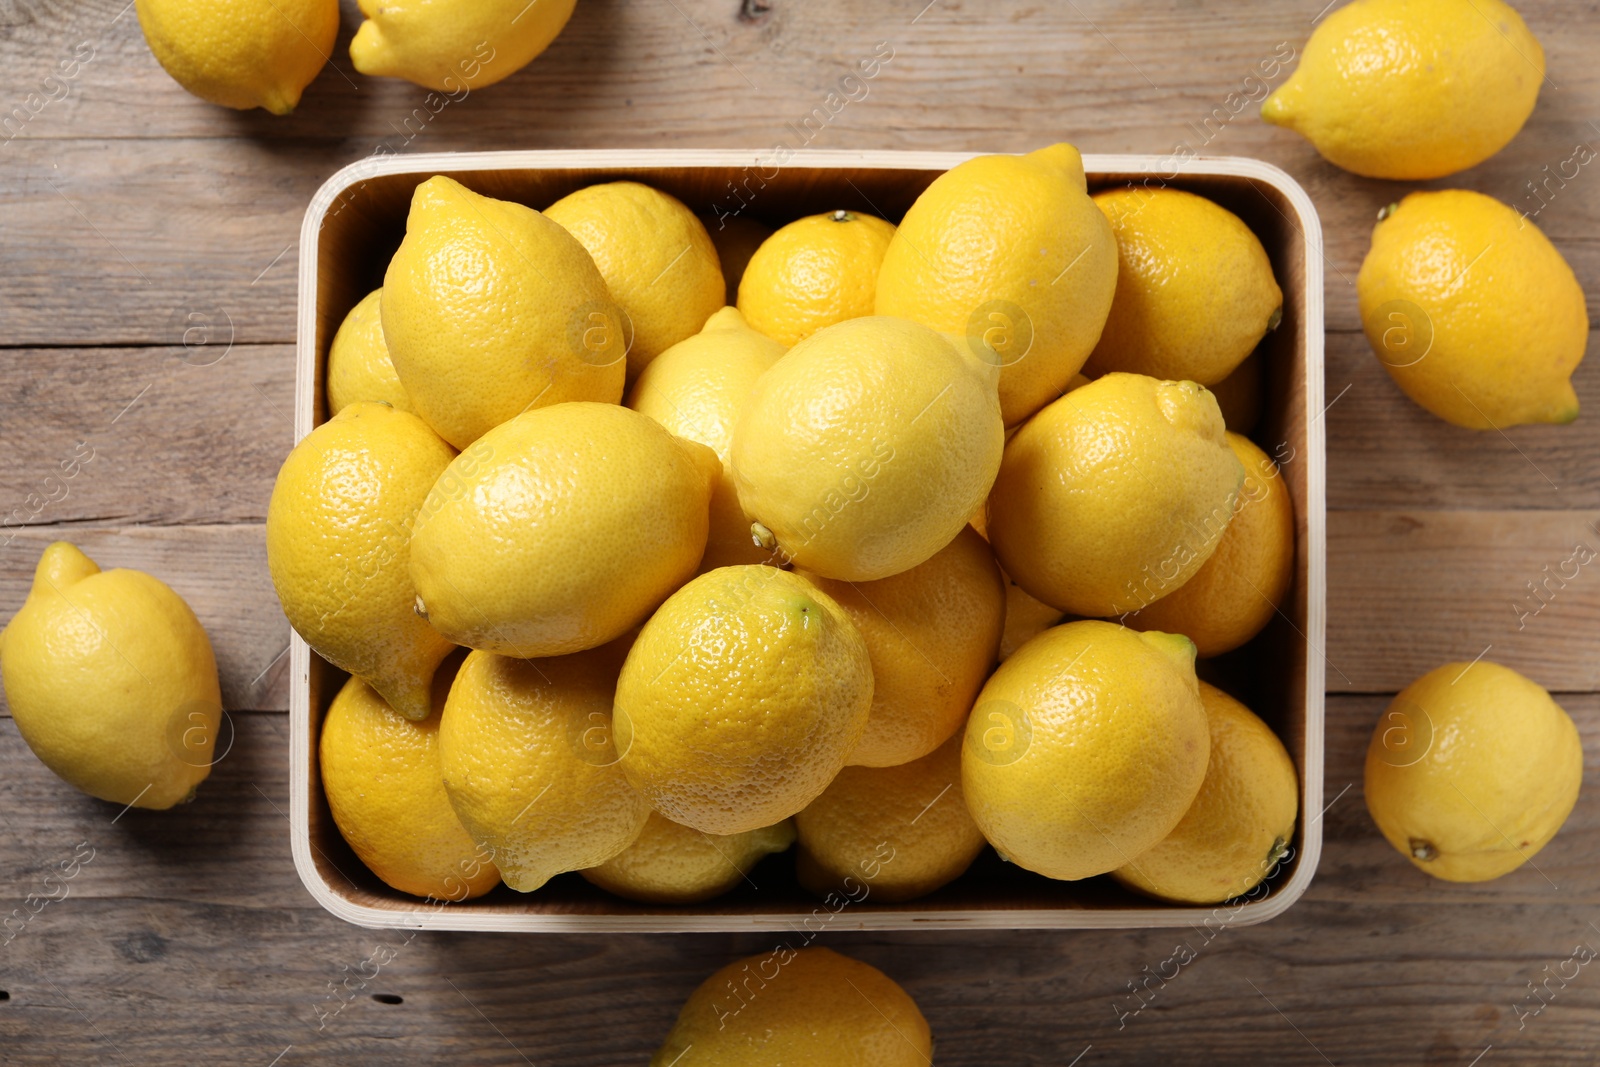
[
  {"x": 359, "y": 367},
  {"x": 672, "y": 864},
  {"x": 242, "y": 53},
  {"x": 454, "y": 46},
  {"x": 814, "y": 272},
  {"x": 111, "y": 681},
  {"x": 736, "y": 238}
]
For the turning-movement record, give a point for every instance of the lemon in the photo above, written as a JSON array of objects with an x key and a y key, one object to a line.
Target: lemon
[
  {"x": 808, "y": 1007},
  {"x": 530, "y": 765},
  {"x": 1412, "y": 89},
  {"x": 1086, "y": 748},
  {"x": 560, "y": 530},
  {"x": 1473, "y": 312},
  {"x": 1114, "y": 495},
  {"x": 866, "y": 448},
  {"x": 339, "y": 531},
  {"x": 454, "y": 45},
  {"x": 1472, "y": 770},
  {"x": 359, "y": 367},
  {"x": 697, "y": 389},
  {"x": 814, "y": 272},
  {"x": 1010, "y": 253},
  {"x": 672, "y": 864},
  {"x": 1239, "y": 825},
  {"x": 1026, "y": 617},
  {"x": 242, "y": 53},
  {"x": 889, "y": 834},
  {"x": 111, "y": 681},
  {"x": 1236, "y": 592},
  {"x": 381, "y": 773},
  {"x": 656, "y": 257},
  {"x": 1239, "y": 395},
  {"x": 1195, "y": 291},
  {"x": 741, "y": 699},
  {"x": 490, "y": 309},
  {"x": 736, "y": 239},
  {"x": 932, "y": 634}
]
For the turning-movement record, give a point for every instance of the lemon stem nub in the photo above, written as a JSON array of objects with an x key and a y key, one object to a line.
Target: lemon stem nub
[
  {"x": 1275, "y": 319},
  {"x": 763, "y": 537},
  {"x": 1423, "y": 850},
  {"x": 419, "y": 607},
  {"x": 842, "y": 216},
  {"x": 1385, "y": 212}
]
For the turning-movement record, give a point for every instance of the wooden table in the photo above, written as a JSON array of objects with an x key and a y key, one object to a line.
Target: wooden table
[{"x": 147, "y": 294}]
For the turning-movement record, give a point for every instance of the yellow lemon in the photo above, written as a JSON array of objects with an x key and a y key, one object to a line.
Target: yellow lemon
[
  {"x": 736, "y": 239},
  {"x": 1237, "y": 591},
  {"x": 1086, "y": 748},
  {"x": 1239, "y": 395},
  {"x": 1473, "y": 312},
  {"x": 1009, "y": 253},
  {"x": 932, "y": 634},
  {"x": 741, "y": 699},
  {"x": 111, "y": 681},
  {"x": 1115, "y": 494},
  {"x": 242, "y": 53},
  {"x": 889, "y": 834},
  {"x": 490, "y": 309},
  {"x": 1240, "y": 824},
  {"x": 867, "y": 447},
  {"x": 1472, "y": 770},
  {"x": 530, "y": 765},
  {"x": 672, "y": 864},
  {"x": 1412, "y": 89},
  {"x": 1026, "y": 617},
  {"x": 454, "y": 46},
  {"x": 560, "y": 530},
  {"x": 1195, "y": 291},
  {"x": 656, "y": 257},
  {"x": 339, "y": 532},
  {"x": 814, "y": 272},
  {"x": 808, "y": 1007},
  {"x": 697, "y": 389},
  {"x": 359, "y": 367}
]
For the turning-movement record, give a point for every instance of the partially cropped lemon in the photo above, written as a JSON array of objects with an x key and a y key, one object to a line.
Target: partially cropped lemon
[
  {"x": 867, "y": 447},
  {"x": 814, "y": 272},
  {"x": 656, "y": 257},
  {"x": 808, "y": 1007},
  {"x": 1412, "y": 89},
  {"x": 455, "y": 45},
  {"x": 1473, "y": 312},
  {"x": 736, "y": 238},
  {"x": 530, "y": 763},
  {"x": 932, "y": 633},
  {"x": 1241, "y": 823},
  {"x": 490, "y": 309},
  {"x": 1472, "y": 770},
  {"x": 1114, "y": 495},
  {"x": 1086, "y": 748},
  {"x": 339, "y": 531},
  {"x": 1009, "y": 253},
  {"x": 381, "y": 773},
  {"x": 741, "y": 699},
  {"x": 111, "y": 681},
  {"x": 242, "y": 53},
  {"x": 359, "y": 367},
  {"x": 1195, "y": 291},
  {"x": 673, "y": 864},
  {"x": 697, "y": 389},
  {"x": 1026, "y": 617}
]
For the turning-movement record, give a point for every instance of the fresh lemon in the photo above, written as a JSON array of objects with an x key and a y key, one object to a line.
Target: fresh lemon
[
  {"x": 656, "y": 257},
  {"x": 808, "y": 1007},
  {"x": 736, "y": 239},
  {"x": 1472, "y": 770},
  {"x": 1195, "y": 291},
  {"x": 697, "y": 389},
  {"x": 1412, "y": 89},
  {"x": 1114, "y": 495},
  {"x": 672, "y": 864},
  {"x": 454, "y": 46},
  {"x": 1239, "y": 825},
  {"x": 339, "y": 533},
  {"x": 490, "y": 309},
  {"x": 1009, "y": 253},
  {"x": 814, "y": 272},
  {"x": 111, "y": 681},
  {"x": 1236, "y": 592},
  {"x": 242, "y": 53},
  {"x": 530, "y": 765},
  {"x": 867, "y": 447},
  {"x": 741, "y": 699},
  {"x": 932, "y": 634},
  {"x": 1026, "y": 617},
  {"x": 1473, "y": 312},
  {"x": 1086, "y": 748},
  {"x": 359, "y": 367},
  {"x": 1239, "y": 395}
]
